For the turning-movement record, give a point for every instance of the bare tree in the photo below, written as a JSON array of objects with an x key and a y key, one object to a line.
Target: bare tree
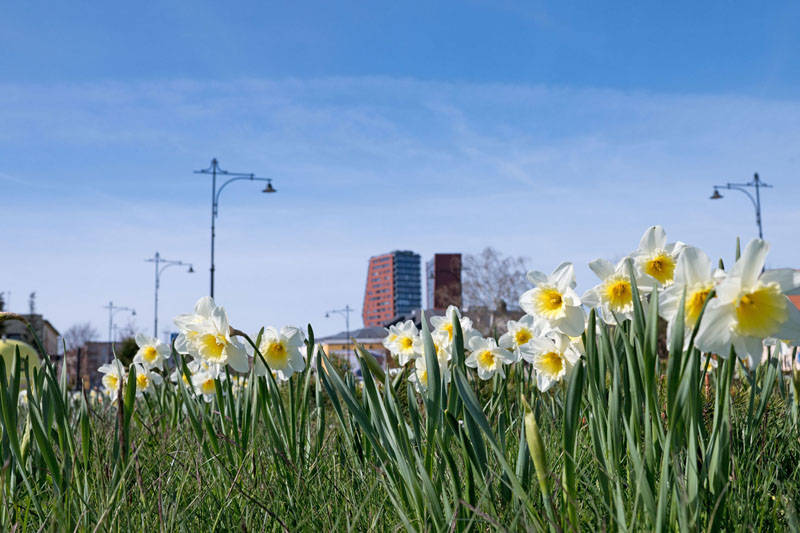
[
  {"x": 79, "y": 334},
  {"x": 491, "y": 280}
]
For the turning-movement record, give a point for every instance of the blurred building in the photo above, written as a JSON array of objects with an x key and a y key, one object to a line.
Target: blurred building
[
  {"x": 82, "y": 363},
  {"x": 394, "y": 287},
  {"x": 443, "y": 273},
  {"x": 371, "y": 338},
  {"x": 47, "y": 333}
]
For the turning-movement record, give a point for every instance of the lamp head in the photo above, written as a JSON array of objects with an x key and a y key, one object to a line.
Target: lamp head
[
  {"x": 327, "y": 315},
  {"x": 191, "y": 270},
  {"x": 133, "y": 312},
  {"x": 269, "y": 187},
  {"x": 716, "y": 195}
]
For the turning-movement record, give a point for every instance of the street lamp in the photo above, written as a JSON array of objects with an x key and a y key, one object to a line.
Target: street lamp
[
  {"x": 167, "y": 263},
  {"x": 214, "y": 169},
  {"x": 113, "y": 310},
  {"x": 346, "y": 314},
  {"x": 757, "y": 184}
]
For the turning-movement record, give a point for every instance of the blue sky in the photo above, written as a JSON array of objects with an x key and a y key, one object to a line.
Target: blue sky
[{"x": 552, "y": 131}]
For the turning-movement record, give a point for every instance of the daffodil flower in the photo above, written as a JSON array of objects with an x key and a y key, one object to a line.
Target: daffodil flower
[
  {"x": 521, "y": 332},
  {"x": 113, "y": 373},
  {"x": 444, "y": 324},
  {"x": 212, "y": 342},
  {"x": 403, "y": 345},
  {"x": 152, "y": 352},
  {"x": 419, "y": 375},
  {"x": 614, "y": 295},
  {"x": 441, "y": 343},
  {"x": 655, "y": 259},
  {"x": 146, "y": 380},
  {"x": 281, "y": 351},
  {"x": 203, "y": 308},
  {"x": 750, "y": 306},
  {"x": 694, "y": 275},
  {"x": 554, "y": 299},
  {"x": 204, "y": 382},
  {"x": 488, "y": 358},
  {"x": 552, "y": 356}
]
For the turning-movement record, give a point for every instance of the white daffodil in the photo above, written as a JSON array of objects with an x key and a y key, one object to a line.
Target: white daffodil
[
  {"x": 614, "y": 295},
  {"x": 391, "y": 335},
  {"x": 281, "y": 351},
  {"x": 441, "y": 343},
  {"x": 213, "y": 344},
  {"x": 552, "y": 356},
  {"x": 204, "y": 384},
  {"x": 521, "y": 332},
  {"x": 419, "y": 376},
  {"x": 403, "y": 345},
  {"x": 750, "y": 306},
  {"x": 184, "y": 342},
  {"x": 146, "y": 379},
  {"x": 444, "y": 324},
  {"x": 488, "y": 358},
  {"x": 655, "y": 259},
  {"x": 554, "y": 299},
  {"x": 152, "y": 352},
  {"x": 694, "y": 275},
  {"x": 113, "y": 373}
]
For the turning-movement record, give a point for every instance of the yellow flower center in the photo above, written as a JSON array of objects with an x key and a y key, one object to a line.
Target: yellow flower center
[
  {"x": 422, "y": 375},
  {"x": 142, "y": 381},
  {"x": 212, "y": 347},
  {"x": 761, "y": 312},
  {"x": 486, "y": 359},
  {"x": 550, "y": 364},
  {"x": 277, "y": 355},
  {"x": 549, "y": 302},
  {"x": 522, "y": 336},
  {"x": 111, "y": 381},
  {"x": 448, "y": 327},
  {"x": 150, "y": 354},
  {"x": 406, "y": 343},
  {"x": 208, "y": 387},
  {"x": 617, "y": 293},
  {"x": 660, "y": 266},
  {"x": 694, "y": 302},
  {"x": 185, "y": 381}
]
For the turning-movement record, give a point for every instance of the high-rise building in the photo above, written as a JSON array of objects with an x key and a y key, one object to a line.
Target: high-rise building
[
  {"x": 394, "y": 287},
  {"x": 443, "y": 274}
]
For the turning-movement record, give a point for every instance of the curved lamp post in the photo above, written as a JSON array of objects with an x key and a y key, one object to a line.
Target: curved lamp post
[
  {"x": 158, "y": 260},
  {"x": 113, "y": 310},
  {"x": 346, "y": 314},
  {"x": 756, "y": 184},
  {"x": 214, "y": 169}
]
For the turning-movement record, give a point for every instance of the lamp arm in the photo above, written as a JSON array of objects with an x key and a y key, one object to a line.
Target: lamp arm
[
  {"x": 219, "y": 191},
  {"x": 736, "y": 187}
]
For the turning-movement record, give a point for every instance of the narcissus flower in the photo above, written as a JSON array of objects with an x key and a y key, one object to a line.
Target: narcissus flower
[
  {"x": 694, "y": 275},
  {"x": 488, "y": 358},
  {"x": 444, "y": 324},
  {"x": 656, "y": 259},
  {"x": 521, "y": 332},
  {"x": 552, "y": 356},
  {"x": 113, "y": 373},
  {"x": 146, "y": 380},
  {"x": 152, "y": 352},
  {"x": 403, "y": 345},
  {"x": 204, "y": 384},
  {"x": 281, "y": 351},
  {"x": 184, "y": 342},
  {"x": 750, "y": 306},
  {"x": 614, "y": 295},
  {"x": 419, "y": 375},
  {"x": 554, "y": 299},
  {"x": 441, "y": 344},
  {"x": 211, "y": 341}
]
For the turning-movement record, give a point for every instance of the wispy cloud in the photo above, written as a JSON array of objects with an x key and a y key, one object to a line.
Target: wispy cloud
[{"x": 364, "y": 165}]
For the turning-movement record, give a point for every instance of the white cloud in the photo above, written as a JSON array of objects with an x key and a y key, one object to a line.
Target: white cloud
[{"x": 102, "y": 179}]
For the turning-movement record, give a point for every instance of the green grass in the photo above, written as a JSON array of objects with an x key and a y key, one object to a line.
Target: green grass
[{"x": 632, "y": 441}]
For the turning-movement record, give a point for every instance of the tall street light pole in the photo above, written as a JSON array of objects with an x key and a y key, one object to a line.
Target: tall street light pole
[
  {"x": 215, "y": 169},
  {"x": 756, "y": 184},
  {"x": 158, "y": 260},
  {"x": 346, "y": 314},
  {"x": 113, "y": 310}
]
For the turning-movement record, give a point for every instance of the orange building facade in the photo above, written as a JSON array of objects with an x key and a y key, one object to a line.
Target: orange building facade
[{"x": 379, "y": 296}]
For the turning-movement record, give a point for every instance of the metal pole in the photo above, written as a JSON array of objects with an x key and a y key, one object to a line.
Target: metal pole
[
  {"x": 110, "y": 319},
  {"x": 155, "y": 311},
  {"x": 347, "y": 324},
  {"x": 758, "y": 206},
  {"x": 213, "y": 216}
]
